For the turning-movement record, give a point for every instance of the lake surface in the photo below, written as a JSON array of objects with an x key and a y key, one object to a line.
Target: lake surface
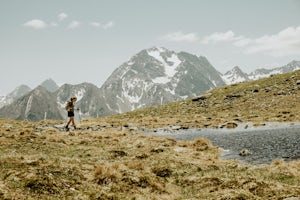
[{"x": 267, "y": 143}]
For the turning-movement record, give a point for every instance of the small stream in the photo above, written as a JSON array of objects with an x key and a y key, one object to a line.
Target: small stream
[{"x": 266, "y": 143}]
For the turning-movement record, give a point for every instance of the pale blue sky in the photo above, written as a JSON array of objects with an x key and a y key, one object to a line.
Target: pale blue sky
[{"x": 74, "y": 41}]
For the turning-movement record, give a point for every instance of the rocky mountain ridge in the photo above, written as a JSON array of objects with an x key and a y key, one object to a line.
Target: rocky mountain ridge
[
  {"x": 156, "y": 76},
  {"x": 153, "y": 76},
  {"x": 14, "y": 95},
  {"x": 236, "y": 75},
  {"x": 50, "y": 85},
  {"x": 36, "y": 105}
]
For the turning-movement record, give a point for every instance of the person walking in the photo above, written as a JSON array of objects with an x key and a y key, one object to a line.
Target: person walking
[{"x": 70, "y": 107}]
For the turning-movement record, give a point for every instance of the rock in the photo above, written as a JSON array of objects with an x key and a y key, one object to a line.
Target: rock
[
  {"x": 259, "y": 124},
  {"x": 298, "y": 82},
  {"x": 142, "y": 156},
  {"x": 238, "y": 119},
  {"x": 232, "y": 96},
  {"x": 58, "y": 126},
  {"x": 176, "y": 128},
  {"x": 206, "y": 125},
  {"x": 163, "y": 172},
  {"x": 229, "y": 125},
  {"x": 268, "y": 89},
  {"x": 130, "y": 126},
  {"x": 245, "y": 152},
  {"x": 133, "y": 128},
  {"x": 157, "y": 150},
  {"x": 202, "y": 97},
  {"x": 281, "y": 92},
  {"x": 117, "y": 153}
]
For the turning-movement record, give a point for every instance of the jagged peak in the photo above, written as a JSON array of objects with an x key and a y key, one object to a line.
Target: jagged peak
[
  {"x": 19, "y": 91},
  {"x": 40, "y": 88},
  {"x": 202, "y": 57},
  {"x": 236, "y": 70},
  {"x": 49, "y": 79},
  {"x": 159, "y": 49},
  {"x": 21, "y": 87},
  {"x": 294, "y": 62},
  {"x": 50, "y": 85}
]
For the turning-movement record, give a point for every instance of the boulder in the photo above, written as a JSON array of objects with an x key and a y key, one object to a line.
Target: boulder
[
  {"x": 245, "y": 152},
  {"x": 229, "y": 125},
  {"x": 202, "y": 97},
  {"x": 176, "y": 128}
]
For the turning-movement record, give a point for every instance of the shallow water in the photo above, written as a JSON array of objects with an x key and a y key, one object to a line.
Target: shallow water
[{"x": 266, "y": 143}]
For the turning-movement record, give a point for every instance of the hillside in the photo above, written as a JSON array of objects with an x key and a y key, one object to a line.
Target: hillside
[
  {"x": 109, "y": 157},
  {"x": 274, "y": 99},
  {"x": 236, "y": 75}
]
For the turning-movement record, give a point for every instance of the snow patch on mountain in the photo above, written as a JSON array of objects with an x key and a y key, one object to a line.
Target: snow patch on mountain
[
  {"x": 80, "y": 93},
  {"x": 161, "y": 80},
  {"x": 156, "y": 53},
  {"x": 232, "y": 78},
  {"x": 28, "y": 106},
  {"x": 169, "y": 63},
  {"x": 236, "y": 75}
]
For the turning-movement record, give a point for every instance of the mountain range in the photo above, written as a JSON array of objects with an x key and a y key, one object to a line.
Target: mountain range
[
  {"x": 237, "y": 75},
  {"x": 152, "y": 77}
]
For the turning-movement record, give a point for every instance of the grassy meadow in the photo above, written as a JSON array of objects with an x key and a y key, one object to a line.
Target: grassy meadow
[{"x": 111, "y": 158}]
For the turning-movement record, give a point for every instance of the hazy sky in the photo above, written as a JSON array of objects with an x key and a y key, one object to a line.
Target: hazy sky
[{"x": 74, "y": 41}]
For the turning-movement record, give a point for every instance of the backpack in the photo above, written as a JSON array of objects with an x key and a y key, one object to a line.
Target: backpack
[{"x": 68, "y": 106}]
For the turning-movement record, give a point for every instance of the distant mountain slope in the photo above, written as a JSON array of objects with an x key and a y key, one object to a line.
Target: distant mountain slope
[
  {"x": 88, "y": 96},
  {"x": 236, "y": 75},
  {"x": 50, "y": 85},
  {"x": 152, "y": 77},
  {"x": 41, "y": 104},
  {"x": 156, "y": 76},
  {"x": 262, "y": 73},
  {"x": 35, "y": 105},
  {"x": 14, "y": 95}
]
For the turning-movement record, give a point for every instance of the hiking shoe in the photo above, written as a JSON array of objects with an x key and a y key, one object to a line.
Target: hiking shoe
[{"x": 67, "y": 128}]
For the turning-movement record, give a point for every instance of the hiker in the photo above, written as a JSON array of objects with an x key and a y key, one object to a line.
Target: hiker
[{"x": 70, "y": 107}]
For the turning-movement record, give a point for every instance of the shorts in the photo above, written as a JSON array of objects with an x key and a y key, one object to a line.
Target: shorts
[{"x": 71, "y": 114}]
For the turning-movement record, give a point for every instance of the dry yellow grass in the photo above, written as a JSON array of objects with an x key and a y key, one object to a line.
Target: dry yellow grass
[{"x": 38, "y": 161}]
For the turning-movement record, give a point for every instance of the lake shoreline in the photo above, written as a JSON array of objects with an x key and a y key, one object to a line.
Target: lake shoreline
[{"x": 266, "y": 142}]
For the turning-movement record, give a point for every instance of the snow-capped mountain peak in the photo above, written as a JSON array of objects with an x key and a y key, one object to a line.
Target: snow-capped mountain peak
[
  {"x": 237, "y": 75},
  {"x": 157, "y": 75},
  {"x": 234, "y": 76},
  {"x": 262, "y": 73}
]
